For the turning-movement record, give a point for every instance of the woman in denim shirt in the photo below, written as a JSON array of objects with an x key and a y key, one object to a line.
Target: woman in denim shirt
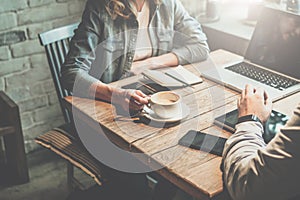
[
  {"x": 120, "y": 36},
  {"x": 117, "y": 37}
]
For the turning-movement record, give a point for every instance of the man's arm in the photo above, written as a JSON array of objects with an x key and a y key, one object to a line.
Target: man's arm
[{"x": 254, "y": 170}]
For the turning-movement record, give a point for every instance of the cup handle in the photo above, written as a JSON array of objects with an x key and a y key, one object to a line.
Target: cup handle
[{"x": 149, "y": 104}]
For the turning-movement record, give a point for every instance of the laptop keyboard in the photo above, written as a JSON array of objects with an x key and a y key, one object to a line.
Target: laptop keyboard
[{"x": 263, "y": 76}]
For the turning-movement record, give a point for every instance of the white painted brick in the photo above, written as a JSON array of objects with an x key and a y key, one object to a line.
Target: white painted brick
[
  {"x": 10, "y": 5},
  {"x": 34, "y": 30},
  {"x": 61, "y": 1},
  {"x": 37, "y": 89},
  {"x": 47, "y": 113},
  {"x": 9, "y": 22},
  {"x": 23, "y": 92},
  {"x": 52, "y": 98},
  {"x": 26, "y": 120},
  {"x": 29, "y": 77},
  {"x": 33, "y": 103},
  {"x": 14, "y": 65},
  {"x": 35, "y": 3},
  {"x": 76, "y": 7},
  {"x": 4, "y": 53},
  {"x": 66, "y": 21},
  {"x": 26, "y": 48},
  {"x": 41, "y": 14},
  {"x": 19, "y": 93},
  {"x": 48, "y": 86},
  {"x": 39, "y": 61}
]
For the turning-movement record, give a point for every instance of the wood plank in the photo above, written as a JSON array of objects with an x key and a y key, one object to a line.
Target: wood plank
[
  {"x": 186, "y": 164},
  {"x": 104, "y": 113}
]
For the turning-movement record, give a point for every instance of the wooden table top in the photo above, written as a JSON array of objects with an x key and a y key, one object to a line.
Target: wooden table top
[{"x": 196, "y": 172}]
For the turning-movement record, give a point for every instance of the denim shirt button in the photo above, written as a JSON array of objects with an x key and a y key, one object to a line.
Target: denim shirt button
[{"x": 130, "y": 58}]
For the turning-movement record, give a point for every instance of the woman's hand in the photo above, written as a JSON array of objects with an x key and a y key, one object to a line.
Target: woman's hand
[
  {"x": 255, "y": 101},
  {"x": 130, "y": 99}
]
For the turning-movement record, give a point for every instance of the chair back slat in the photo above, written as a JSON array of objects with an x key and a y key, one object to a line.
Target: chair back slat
[{"x": 56, "y": 43}]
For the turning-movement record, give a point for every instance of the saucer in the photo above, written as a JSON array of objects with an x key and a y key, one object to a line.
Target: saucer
[{"x": 153, "y": 117}]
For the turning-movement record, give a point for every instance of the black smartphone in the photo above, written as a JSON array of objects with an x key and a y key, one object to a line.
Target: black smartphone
[
  {"x": 147, "y": 88},
  {"x": 203, "y": 141},
  {"x": 138, "y": 86},
  {"x": 271, "y": 127}
]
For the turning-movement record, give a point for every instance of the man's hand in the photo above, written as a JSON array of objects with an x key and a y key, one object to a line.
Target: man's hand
[{"x": 255, "y": 101}]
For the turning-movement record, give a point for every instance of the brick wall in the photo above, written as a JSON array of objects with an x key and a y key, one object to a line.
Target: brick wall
[{"x": 24, "y": 71}]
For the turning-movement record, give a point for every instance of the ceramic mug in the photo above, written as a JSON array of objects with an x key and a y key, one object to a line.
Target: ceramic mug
[{"x": 166, "y": 104}]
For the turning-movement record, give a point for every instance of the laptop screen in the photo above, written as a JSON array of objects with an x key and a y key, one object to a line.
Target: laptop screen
[{"x": 275, "y": 43}]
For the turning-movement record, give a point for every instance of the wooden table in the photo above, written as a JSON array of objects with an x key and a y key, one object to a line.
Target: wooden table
[{"x": 196, "y": 172}]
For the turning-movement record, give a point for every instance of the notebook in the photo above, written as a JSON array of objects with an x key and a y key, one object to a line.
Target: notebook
[
  {"x": 173, "y": 77},
  {"x": 272, "y": 60}
]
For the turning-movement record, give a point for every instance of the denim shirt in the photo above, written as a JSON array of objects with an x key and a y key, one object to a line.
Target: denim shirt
[{"x": 103, "y": 48}]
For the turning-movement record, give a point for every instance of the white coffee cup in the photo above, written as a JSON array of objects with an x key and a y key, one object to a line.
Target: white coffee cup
[{"x": 166, "y": 104}]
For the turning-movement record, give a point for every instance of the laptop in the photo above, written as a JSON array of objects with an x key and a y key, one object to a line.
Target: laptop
[{"x": 272, "y": 59}]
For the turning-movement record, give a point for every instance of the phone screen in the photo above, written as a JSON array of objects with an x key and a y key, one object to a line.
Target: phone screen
[
  {"x": 276, "y": 121},
  {"x": 147, "y": 88},
  {"x": 202, "y": 141}
]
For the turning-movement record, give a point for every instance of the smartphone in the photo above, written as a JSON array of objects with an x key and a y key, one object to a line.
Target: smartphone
[
  {"x": 276, "y": 121},
  {"x": 203, "y": 141},
  {"x": 147, "y": 88}
]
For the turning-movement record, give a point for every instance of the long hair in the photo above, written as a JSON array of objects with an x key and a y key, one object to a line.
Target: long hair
[{"x": 121, "y": 8}]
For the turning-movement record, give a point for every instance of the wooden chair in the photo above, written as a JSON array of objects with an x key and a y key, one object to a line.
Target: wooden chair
[
  {"x": 63, "y": 140},
  {"x": 14, "y": 170}
]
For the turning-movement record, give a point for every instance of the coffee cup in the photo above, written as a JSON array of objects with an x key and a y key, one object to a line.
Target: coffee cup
[{"x": 166, "y": 104}]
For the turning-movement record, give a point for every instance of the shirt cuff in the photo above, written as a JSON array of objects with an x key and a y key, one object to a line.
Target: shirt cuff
[{"x": 250, "y": 126}]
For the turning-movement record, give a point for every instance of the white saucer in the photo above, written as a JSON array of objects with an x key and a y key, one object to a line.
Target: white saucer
[{"x": 153, "y": 117}]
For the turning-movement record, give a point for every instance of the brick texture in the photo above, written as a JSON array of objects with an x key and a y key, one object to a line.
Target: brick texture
[
  {"x": 10, "y": 5},
  {"x": 24, "y": 70},
  {"x": 35, "y": 29},
  {"x": 33, "y": 103},
  {"x": 34, "y": 3},
  {"x": 41, "y": 14},
  {"x": 9, "y": 22},
  {"x": 14, "y": 65},
  {"x": 26, "y": 120},
  {"x": 76, "y": 7},
  {"x": 4, "y": 53},
  {"x": 29, "y": 77},
  {"x": 12, "y": 37},
  {"x": 26, "y": 48}
]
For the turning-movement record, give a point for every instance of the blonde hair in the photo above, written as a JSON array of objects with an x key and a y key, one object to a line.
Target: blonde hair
[{"x": 121, "y": 8}]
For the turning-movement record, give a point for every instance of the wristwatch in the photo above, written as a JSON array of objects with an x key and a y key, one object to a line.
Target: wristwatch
[{"x": 248, "y": 118}]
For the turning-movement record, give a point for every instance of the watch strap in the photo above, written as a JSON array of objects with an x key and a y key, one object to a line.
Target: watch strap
[{"x": 248, "y": 118}]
